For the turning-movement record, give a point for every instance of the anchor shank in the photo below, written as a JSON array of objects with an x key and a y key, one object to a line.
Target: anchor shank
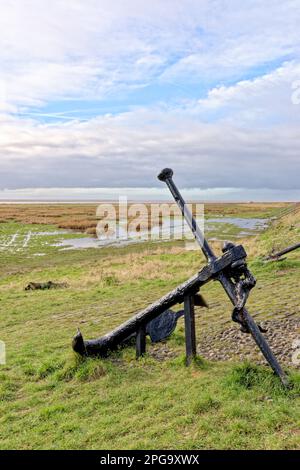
[
  {"x": 254, "y": 330},
  {"x": 223, "y": 277},
  {"x": 166, "y": 176}
]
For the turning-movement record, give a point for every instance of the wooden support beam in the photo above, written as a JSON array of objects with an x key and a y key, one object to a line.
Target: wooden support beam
[
  {"x": 190, "y": 334},
  {"x": 141, "y": 340},
  {"x": 276, "y": 256},
  {"x": 103, "y": 345}
]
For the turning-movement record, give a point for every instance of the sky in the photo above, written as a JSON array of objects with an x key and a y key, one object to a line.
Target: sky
[{"x": 104, "y": 94}]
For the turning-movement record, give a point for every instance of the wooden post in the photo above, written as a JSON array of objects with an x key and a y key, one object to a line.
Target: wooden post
[
  {"x": 141, "y": 340},
  {"x": 190, "y": 334}
]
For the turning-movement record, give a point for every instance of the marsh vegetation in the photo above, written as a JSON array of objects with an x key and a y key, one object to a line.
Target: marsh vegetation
[{"x": 51, "y": 399}]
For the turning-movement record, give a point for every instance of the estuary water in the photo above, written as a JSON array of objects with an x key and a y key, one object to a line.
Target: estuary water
[{"x": 174, "y": 229}]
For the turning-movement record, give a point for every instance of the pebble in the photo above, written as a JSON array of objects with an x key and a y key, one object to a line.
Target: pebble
[{"x": 231, "y": 344}]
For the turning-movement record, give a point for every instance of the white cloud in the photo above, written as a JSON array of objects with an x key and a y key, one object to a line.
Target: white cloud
[
  {"x": 246, "y": 133},
  {"x": 128, "y": 151},
  {"x": 76, "y": 48},
  {"x": 264, "y": 99},
  {"x": 84, "y": 48}
]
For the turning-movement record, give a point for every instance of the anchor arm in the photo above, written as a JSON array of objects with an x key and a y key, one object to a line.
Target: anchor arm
[{"x": 224, "y": 278}]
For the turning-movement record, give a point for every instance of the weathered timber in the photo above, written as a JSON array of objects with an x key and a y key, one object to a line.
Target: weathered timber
[
  {"x": 141, "y": 340},
  {"x": 110, "y": 342},
  {"x": 45, "y": 285},
  {"x": 190, "y": 333},
  {"x": 230, "y": 270},
  {"x": 277, "y": 255},
  {"x": 236, "y": 281}
]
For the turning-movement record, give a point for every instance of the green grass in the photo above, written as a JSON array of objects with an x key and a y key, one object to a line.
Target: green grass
[
  {"x": 51, "y": 399},
  {"x": 101, "y": 404}
]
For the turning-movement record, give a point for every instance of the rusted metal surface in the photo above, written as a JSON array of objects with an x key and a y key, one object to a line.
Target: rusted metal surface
[
  {"x": 235, "y": 279},
  {"x": 161, "y": 327},
  {"x": 110, "y": 342},
  {"x": 230, "y": 270}
]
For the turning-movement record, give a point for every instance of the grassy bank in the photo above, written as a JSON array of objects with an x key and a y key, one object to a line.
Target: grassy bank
[
  {"x": 50, "y": 399},
  {"x": 82, "y": 217}
]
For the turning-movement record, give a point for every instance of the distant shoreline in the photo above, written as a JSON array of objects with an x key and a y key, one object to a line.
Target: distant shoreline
[
  {"x": 134, "y": 201},
  {"x": 155, "y": 195}
]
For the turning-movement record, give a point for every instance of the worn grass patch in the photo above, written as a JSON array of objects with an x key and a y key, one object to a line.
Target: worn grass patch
[{"x": 51, "y": 399}]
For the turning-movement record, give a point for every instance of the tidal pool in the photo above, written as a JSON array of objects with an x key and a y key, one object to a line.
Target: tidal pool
[{"x": 170, "y": 229}]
